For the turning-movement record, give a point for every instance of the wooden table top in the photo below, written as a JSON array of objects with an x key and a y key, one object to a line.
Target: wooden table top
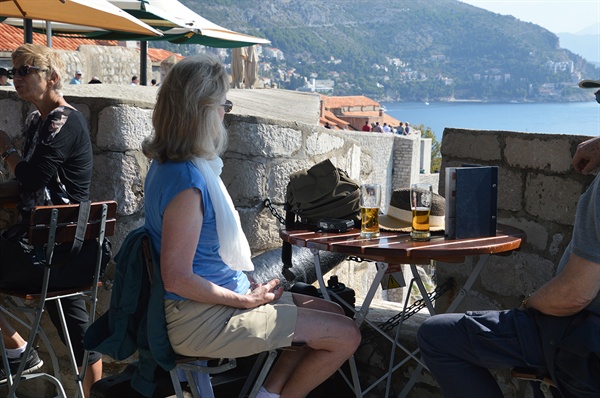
[{"x": 398, "y": 248}]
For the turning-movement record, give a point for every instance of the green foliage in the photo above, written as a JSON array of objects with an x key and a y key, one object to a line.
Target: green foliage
[
  {"x": 436, "y": 154},
  {"x": 445, "y": 48}
]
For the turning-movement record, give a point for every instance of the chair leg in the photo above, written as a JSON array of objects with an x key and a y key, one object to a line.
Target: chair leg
[
  {"x": 258, "y": 373},
  {"x": 197, "y": 375},
  {"x": 13, "y": 381},
  {"x": 176, "y": 383},
  {"x": 17, "y": 303},
  {"x": 69, "y": 345}
]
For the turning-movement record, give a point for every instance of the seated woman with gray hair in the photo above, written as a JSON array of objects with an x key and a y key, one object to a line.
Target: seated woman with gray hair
[{"x": 212, "y": 308}]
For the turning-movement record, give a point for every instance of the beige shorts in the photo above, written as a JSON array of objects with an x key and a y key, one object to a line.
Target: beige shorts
[{"x": 218, "y": 331}]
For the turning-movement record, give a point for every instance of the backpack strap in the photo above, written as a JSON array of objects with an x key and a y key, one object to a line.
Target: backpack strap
[
  {"x": 82, "y": 219},
  {"x": 286, "y": 248}
]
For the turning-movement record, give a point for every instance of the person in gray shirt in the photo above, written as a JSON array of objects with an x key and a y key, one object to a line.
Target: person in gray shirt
[{"x": 555, "y": 330}]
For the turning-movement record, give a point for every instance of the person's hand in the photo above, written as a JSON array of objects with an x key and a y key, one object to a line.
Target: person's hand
[
  {"x": 263, "y": 293},
  {"x": 587, "y": 156}
]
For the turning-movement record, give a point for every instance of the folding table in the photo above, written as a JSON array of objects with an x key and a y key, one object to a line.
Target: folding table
[{"x": 397, "y": 248}]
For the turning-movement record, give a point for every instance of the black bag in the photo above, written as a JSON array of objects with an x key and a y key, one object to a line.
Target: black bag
[
  {"x": 321, "y": 192},
  {"x": 21, "y": 265}
]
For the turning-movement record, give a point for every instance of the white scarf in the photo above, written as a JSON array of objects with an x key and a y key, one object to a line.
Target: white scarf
[{"x": 234, "y": 249}]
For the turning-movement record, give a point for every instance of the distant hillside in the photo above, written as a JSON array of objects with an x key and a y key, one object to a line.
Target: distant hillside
[
  {"x": 407, "y": 49},
  {"x": 585, "y": 43}
]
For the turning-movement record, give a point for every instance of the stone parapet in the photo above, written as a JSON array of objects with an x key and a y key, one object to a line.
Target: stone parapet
[{"x": 537, "y": 192}]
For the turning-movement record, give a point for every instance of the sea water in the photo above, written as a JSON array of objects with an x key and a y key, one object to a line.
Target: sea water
[{"x": 575, "y": 118}]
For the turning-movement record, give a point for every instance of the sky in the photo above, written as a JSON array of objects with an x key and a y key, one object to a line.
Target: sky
[{"x": 558, "y": 16}]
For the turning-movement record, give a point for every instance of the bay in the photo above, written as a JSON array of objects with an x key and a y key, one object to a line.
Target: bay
[{"x": 576, "y": 118}]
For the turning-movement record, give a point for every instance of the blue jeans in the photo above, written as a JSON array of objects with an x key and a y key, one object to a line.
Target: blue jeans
[{"x": 459, "y": 349}]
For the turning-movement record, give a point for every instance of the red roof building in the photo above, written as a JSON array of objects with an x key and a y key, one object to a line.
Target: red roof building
[
  {"x": 351, "y": 112},
  {"x": 12, "y": 37}
]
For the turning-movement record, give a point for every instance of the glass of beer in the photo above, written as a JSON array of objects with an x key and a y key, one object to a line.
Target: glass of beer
[
  {"x": 370, "y": 201},
  {"x": 420, "y": 204}
]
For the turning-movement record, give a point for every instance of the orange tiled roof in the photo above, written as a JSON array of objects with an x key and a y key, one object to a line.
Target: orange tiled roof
[
  {"x": 12, "y": 37},
  {"x": 158, "y": 54},
  {"x": 334, "y": 121},
  {"x": 372, "y": 114},
  {"x": 353, "y": 100}
]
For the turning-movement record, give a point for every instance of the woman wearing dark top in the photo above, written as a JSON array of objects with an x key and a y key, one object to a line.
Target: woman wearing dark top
[{"x": 55, "y": 167}]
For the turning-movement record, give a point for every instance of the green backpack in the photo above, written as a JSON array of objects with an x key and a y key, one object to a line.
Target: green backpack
[{"x": 321, "y": 192}]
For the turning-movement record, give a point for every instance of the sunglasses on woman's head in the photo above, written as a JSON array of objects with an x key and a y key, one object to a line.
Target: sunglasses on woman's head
[
  {"x": 227, "y": 106},
  {"x": 23, "y": 70}
]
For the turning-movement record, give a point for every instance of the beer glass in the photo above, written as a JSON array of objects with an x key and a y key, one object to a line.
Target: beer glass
[
  {"x": 370, "y": 201},
  {"x": 420, "y": 204}
]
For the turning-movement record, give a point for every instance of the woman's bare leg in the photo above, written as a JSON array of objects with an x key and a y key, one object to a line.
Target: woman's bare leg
[
  {"x": 93, "y": 373},
  {"x": 330, "y": 338},
  {"x": 12, "y": 339}
]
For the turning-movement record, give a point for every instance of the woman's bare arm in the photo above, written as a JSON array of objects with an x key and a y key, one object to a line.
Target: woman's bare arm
[{"x": 182, "y": 223}]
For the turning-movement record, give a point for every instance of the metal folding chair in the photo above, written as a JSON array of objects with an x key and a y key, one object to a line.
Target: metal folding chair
[
  {"x": 190, "y": 365},
  {"x": 50, "y": 225},
  {"x": 545, "y": 383}
]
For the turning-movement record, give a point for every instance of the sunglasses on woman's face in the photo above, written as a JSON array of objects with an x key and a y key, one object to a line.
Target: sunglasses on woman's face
[
  {"x": 227, "y": 106},
  {"x": 23, "y": 70}
]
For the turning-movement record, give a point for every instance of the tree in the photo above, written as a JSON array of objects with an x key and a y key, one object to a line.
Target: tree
[{"x": 436, "y": 155}]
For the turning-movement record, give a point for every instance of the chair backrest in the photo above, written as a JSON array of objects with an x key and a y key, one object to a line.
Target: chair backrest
[{"x": 66, "y": 222}]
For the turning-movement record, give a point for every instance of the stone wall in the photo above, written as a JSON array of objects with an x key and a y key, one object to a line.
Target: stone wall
[
  {"x": 262, "y": 152},
  {"x": 538, "y": 191}
]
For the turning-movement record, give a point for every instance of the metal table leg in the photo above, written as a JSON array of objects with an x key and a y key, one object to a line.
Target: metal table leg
[
  {"x": 455, "y": 303},
  {"x": 355, "y": 384}
]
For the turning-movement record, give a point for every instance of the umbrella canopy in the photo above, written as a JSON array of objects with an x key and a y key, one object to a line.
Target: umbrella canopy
[
  {"x": 181, "y": 25},
  {"x": 92, "y": 13}
]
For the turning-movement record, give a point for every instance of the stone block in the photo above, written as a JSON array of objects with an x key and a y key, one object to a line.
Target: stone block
[
  {"x": 245, "y": 180},
  {"x": 122, "y": 128},
  {"x": 471, "y": 144},
  {"x": 122, "y": 177},
  {"x": 537, "y": 234},
  {"x": 266, "y": 140},
  {"x": 557, "y": 244},
  {"x": 261, "y": 229},
  {"x": 320, "y": 142},
  {"x": 510, "y": 189},
  {"x": 517, "y": 275},
  {"x": 10, "y": 117},
  {"x": 543, "y": 153},
  {"x": 552, "y": 198},
  {"x": 279, "y": 176}
]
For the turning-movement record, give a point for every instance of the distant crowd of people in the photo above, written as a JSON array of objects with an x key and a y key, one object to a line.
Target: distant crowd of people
[
  {"x": 135, "y": 80},
  {"x": 401, "y": 129}
]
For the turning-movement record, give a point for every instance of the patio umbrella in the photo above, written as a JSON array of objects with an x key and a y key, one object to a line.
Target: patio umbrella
[
  {"x": 92, "y": 13},
  {"x": 238, "y": 61},
  {"x": 251, "y": 71},
  {"x": 179, "y": 24}
]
